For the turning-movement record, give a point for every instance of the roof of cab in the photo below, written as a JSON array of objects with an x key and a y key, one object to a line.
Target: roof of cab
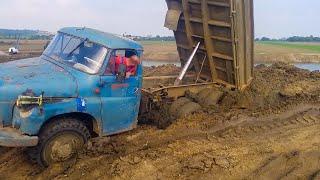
[{"x": 106, "y": 39}]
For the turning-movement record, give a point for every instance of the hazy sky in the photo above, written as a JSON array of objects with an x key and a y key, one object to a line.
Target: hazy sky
[{"x": 274, "y": 18}]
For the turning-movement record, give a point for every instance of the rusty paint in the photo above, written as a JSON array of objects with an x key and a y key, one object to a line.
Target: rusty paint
[
  {"x": 59, "y": 69},
  {"x": 97, "y": 91},
  {"x": 118, "y": 86},
  {"x": 31, "y": 75}
]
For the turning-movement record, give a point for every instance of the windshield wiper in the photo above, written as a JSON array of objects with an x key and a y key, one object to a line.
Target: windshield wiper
[{"x": 82, "y": 42}]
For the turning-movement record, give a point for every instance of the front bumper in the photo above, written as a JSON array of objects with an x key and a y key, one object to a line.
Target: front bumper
[{"x": 10, "y": 137}]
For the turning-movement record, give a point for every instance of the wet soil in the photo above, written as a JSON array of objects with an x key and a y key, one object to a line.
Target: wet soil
[{"x": 270, "y": 131}]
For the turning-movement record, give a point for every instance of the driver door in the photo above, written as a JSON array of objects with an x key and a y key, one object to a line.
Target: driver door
[{"x": 120, "y": 101}]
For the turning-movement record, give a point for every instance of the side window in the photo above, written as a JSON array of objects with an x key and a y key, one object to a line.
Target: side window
[{"x": 123, "y": 56}]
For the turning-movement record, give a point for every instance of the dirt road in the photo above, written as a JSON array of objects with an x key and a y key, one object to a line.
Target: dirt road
[
  {"x": 270, "y": 131},
  {"x": 283, "y": 146}
]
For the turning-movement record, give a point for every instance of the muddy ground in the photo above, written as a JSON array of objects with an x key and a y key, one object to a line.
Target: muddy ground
[{"x": 271, "y": 131}]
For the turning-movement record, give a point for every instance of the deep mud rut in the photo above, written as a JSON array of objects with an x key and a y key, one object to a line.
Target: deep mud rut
[{"x": 272, "y": 133}]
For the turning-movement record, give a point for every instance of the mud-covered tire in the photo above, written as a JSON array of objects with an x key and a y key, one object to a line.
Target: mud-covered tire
[
  {"x": 176, "y": 105},
  {"x": 203, "y": 94},
  {"x": 188, "y": 109},
  {"x": 209, "y": 97},
  {"x": 61, "y": 141}
]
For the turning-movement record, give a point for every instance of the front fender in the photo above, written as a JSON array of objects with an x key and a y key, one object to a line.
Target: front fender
[{"x": 30, "y": 122}]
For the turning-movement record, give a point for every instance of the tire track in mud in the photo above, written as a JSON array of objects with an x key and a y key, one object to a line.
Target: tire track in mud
[
  {"x": 289, "y": 166},
  {"x": 9, "y": 155},
  {"x": 300, "y": 116},
  {"x": 306, "y": 117}
]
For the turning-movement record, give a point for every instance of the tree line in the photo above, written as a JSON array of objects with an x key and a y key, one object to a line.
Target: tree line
[
  {"x": 292, "y": 39},
  {"x": 24, "y": 34}
]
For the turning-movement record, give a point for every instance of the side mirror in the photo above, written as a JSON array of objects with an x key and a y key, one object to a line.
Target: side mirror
[{"x": 121, "y": 74}]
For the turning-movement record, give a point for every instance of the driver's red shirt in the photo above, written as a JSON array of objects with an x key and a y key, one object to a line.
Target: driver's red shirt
[
  {"x": 114, "y": 63},
  {"x": 123, "y": 60}
]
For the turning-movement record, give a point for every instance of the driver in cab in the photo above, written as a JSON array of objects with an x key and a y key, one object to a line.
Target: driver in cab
[{"x": 130, "y": 62}]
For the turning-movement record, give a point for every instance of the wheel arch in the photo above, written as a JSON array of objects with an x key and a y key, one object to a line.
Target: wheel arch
[{"x": 91, "y": 122}]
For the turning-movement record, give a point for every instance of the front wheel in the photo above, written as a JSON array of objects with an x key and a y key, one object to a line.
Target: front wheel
[{"x": 61, "y": 141}]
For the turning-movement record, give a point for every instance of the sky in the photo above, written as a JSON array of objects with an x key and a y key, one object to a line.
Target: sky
[{"x": 273, "y": 18}]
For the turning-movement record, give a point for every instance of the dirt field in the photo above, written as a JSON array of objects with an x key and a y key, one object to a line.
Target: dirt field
[
  {"x": 28, "y": 48},
  {"x": 160, "y": 51},
  {"x": 270, "y": 52},
  {"x": 264, "y": 52},
  {"x": 270, "y": 131},
  {"x": 167, "y": 51}
]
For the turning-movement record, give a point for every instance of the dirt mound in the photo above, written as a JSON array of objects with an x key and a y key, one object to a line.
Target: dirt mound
[
  {"x": 163, "y": 70},
  {"x": 274, "y": 88}
]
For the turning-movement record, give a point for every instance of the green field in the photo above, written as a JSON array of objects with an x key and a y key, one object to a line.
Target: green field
[{"x": 275, "y": 51}]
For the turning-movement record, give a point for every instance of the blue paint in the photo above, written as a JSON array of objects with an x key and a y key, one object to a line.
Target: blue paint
[
  {"x": 108, "y": 40},
  {"x": 35, "y": 74},
  {"x": 119, "y": 104},
  {"x": 114, "y": 109},
  {"x": 81, "y": 105}
]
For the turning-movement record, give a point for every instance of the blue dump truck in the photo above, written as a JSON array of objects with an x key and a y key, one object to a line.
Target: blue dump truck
[
  {"x": 56, "y": 102},
  {"x": 80, "y": 88}
]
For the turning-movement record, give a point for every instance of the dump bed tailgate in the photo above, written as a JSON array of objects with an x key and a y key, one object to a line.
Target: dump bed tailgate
[{"x": 225, "y": 29}]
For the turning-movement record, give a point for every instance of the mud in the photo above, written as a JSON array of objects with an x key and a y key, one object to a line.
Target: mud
[{"x": 270, "y": 131}]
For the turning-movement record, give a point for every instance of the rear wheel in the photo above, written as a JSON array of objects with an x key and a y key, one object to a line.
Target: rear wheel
[{"x": 61, "y": 141}]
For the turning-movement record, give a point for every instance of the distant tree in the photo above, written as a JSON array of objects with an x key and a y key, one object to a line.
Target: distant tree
[
  {"x": 303, "y": 39},
  {"x": 257, "y": 39},
  {"x": 265, "y": 39},
  {"x": 157, "y": 38}
]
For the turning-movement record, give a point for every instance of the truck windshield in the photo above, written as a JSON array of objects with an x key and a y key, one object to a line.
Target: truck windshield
[{"x": 79, "y": 53}]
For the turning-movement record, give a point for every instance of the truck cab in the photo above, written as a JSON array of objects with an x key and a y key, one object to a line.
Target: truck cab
[{"x": 74, "y": 91}]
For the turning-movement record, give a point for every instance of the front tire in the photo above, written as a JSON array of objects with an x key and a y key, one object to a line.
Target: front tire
[{"x": 61, "y": 141}]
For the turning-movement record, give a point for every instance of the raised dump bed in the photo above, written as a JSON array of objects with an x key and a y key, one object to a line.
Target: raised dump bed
[{"x": 225, "y": 30}]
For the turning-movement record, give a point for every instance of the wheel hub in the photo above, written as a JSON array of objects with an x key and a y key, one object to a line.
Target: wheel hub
[
  {"x": 64, "y": 147},
  {"x": 61, "y": 151}
]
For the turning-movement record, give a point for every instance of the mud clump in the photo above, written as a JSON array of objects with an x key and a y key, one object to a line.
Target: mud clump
[{"x": 208, "y": 97}]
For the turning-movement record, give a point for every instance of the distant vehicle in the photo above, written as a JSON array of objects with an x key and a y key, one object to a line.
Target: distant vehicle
[{"x": 15, "y": 49}]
